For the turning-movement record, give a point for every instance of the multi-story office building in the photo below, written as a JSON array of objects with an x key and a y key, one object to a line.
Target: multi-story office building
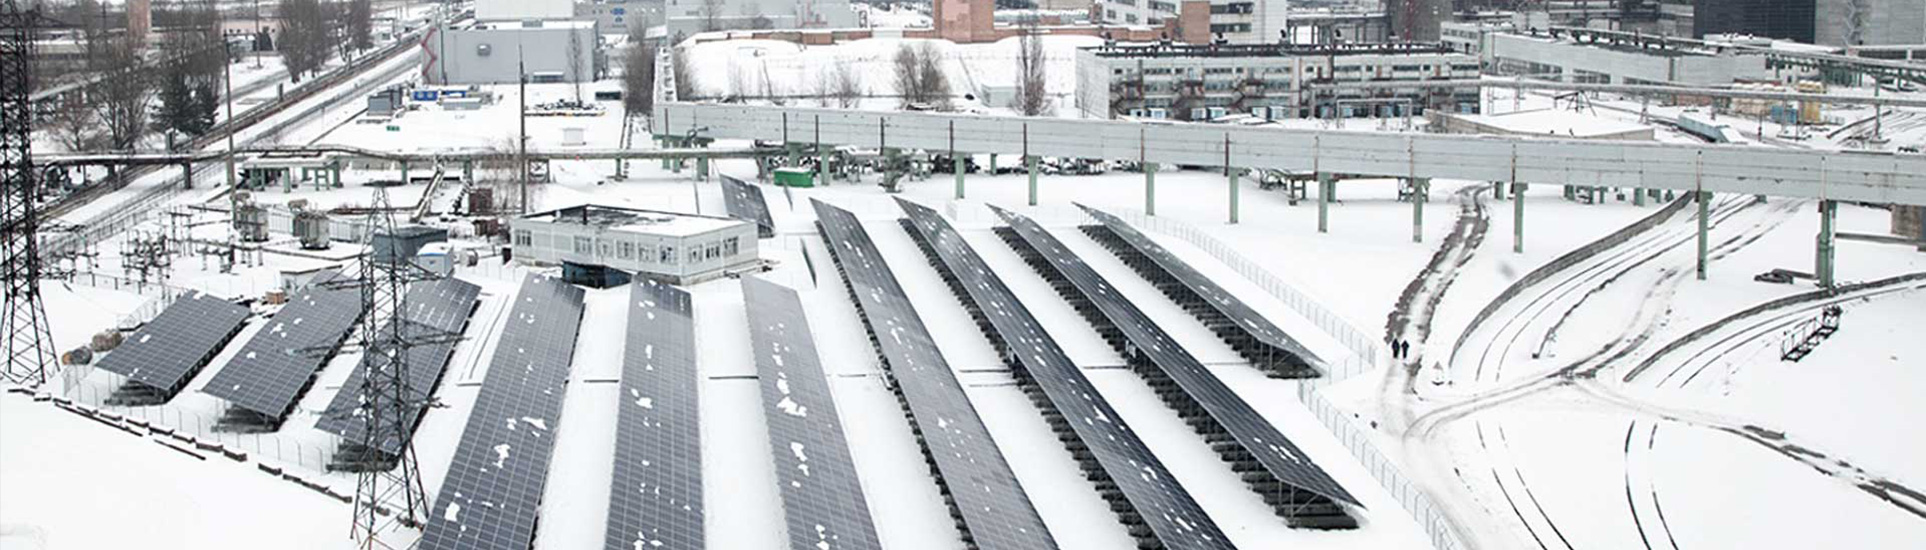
[
  {"x": 1271, "y": 81},
  {"x": 1234, "y": 21}
]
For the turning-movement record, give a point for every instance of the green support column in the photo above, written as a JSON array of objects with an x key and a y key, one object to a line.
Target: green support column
[
  {"x": 187, "y": 175},
  {"x": 1705, "y": 223},
  {"x": 822, "y": 165},
  {"x": 992, "y": 164},
  {"x": 958, "y": 165},
  {"x": 336, "y": 176},
  {"x": 795, "y": 154},
  {"x": 1518, "y": 217},
  {"x": 1324, "y": 187},
  {"x": 667, "y": 163},
  {"x": 1638, "y": 197},
  {"x": 1233, "y": 172},
  {"x": 1823, "y": 264},
  {"x": 702, "y": 168},
  {"x": 1150, "y": 188},
  {"x": 1420, "y": 188},
  {"x": 404, "y": 172},
  {"x": 1498, "y": 190},
  {"x": 1030, "y": 162}
]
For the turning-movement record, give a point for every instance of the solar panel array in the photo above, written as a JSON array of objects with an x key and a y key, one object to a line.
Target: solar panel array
[
  {"x": 1151, "y": 492},
  {"x": 436, "y": 309},
  {"x": 278, "y": 364},
  {"x": 1247, "y": 319},
  {"x": 167, "y": 352},
  {"x": 492, "y": 494},
  {"x": 655, "y": 494},
  {"x": 1251, "y": 431},
  {"x": 744, "y": 201},
  {"x": 993, "y": 512},
  {"x": 821, "y": 495}
]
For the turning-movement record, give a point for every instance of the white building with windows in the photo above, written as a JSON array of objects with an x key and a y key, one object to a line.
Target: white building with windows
[
  {"x": 665, "y": 246},
  {"x": 1236, "y": 21},
  {"x": 1268, "y": 81}
]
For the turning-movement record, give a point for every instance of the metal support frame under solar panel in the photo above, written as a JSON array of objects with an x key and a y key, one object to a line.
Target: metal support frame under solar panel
[
  {"x": 745, "y": 202},
  {"x": 1038, "y": 539},
  {"x": 655, "y": 485},
  {"x": 1300, "y": 507},
  {"x": 459, "y": 299},
  {"x": 191, "y": 332},
  {"x": 1276, "y": 362},
  {"x": 1200, "y": 531},
  {"x": 823, "y": 502}
]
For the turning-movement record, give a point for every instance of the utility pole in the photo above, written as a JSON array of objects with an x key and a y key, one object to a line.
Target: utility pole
[
  {"x": 233, "y": 192},
  {"x": 521, "y": 142}
]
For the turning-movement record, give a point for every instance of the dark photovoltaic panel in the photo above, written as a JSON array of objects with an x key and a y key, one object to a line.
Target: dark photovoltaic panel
[
  {"x": 493, "y": 492},
  {"x": 276, "y": 366},
  {"x": 1154, "y": 495},
  {"x": 1224, "y": 302},
  {"x": 994, "y": 512},
  {"x": 1257, "y": 436},
  {"x": 167, "y": 352},
  {"x": 655, "y": 494},
  {"x": 744, "y": 202},
  {"x": 435, "y": 309},
  {"x": 821, "y": 496}
]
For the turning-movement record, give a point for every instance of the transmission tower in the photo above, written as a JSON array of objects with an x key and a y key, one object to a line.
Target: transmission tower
[
  {"x": 30, "y": 353},
  {"x": 388, "y": 495}
]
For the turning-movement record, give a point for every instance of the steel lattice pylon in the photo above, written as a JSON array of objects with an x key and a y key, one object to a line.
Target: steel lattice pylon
[
  {"x": 387, "y": 335},
  {"x": 30, "y": 353}
]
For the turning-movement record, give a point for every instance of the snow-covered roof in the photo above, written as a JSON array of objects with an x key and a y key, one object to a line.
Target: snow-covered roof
[
  {"x": 673, "y": 224},
  {"x": 1555, "y": 122}
]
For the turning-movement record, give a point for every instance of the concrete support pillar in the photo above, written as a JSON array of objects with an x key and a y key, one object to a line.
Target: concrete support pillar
[
  {"x": 1030, "y": 162},
  {"x": 1324, "y": 187},
  {"x": 404, "y": 172},
  {"x": 702, "y": 168},
  {"x": 794, "y": 154},
  {"x": 1420, "y": 192},
  {"x": 958, "y": 165},
  {"x": 1823, "y": 263},
  {"x": 187, "y": 175},
  {"x": 667, "y": 163},
  {"x": 468, "y": 172},
  {"x": 1232, "y": 174},
  {"x": 1498, "y": 190},
  {"x": 1705, "y": 224},
  {"x": 334, "y": 170},
  {"x": 1518, "y": 217},
  {"x": 992, "y": 169},
  {"x": 1150, "y": 188},
  {"x": 1638, "y": 197},
  {"x": 822, "y": 165}
]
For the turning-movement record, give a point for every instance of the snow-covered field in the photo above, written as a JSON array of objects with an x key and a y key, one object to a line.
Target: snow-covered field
[{"x": 1617, "y": 403}]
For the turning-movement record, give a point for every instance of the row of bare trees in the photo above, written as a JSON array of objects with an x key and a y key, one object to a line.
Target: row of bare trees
[
  {"x": 314, "y": 30},
  {"x": 181, "y": 73}
]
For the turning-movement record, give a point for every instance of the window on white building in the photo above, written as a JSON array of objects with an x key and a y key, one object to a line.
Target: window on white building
[
  {"x": 524, "y": 238},
  {"x": 731, "y": 247},
  {"x": 625, "y": 250},
  {"x": 668, "y": 255},
  {"x": 584, "y": 245}
]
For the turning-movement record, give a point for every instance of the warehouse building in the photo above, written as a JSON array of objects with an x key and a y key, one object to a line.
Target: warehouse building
[
  {"x": 1269, "y": 81},
  {"x": 1622, "y": 58},
  {"x": 665, "y": 246},
  {"x": 500, "y": 52}
]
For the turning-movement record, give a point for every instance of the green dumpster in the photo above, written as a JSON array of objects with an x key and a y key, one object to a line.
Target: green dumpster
[{"x": 795, "y": 177}]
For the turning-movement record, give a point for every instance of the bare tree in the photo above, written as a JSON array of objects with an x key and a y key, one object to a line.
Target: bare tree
[
  {"x": 122, "y": 99},
  {"x": 845, "y": 84},
  {"x": 304, "y": 42},
  {"x": 712, "y": 15},
  {"x": 576, "y": 66},
  {"x": 1032, "y": 93},
  {"x": 638, "y": 78},
  {"x": 75, "y": 126},
  {"x": 919, "y": 77},
  {"x": 360, "y": 25}
]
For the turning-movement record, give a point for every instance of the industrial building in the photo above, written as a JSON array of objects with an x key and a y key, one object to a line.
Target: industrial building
[
  {"x": 500, "y": 52},
  {"x": 1603, "y": 59},
  {"x": 1870, "y": 22},
  {"x": 1560, "y": 123},
  {"x": 688, "y": 17},
  {"x": 1234, "y": 21},
  {"x": 1271, "y": 81},
  {"x": 1781, "y": 19},
  {"x": 616, "y": 16},
  {"x": 665, "y": 246}
]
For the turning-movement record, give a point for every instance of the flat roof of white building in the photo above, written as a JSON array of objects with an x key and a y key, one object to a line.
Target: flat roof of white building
[
  {"x": 635, "y": 220},
  {"x": 1559, "y": 122}
]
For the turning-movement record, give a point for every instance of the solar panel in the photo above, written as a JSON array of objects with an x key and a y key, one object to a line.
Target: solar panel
[
  {"x": 655, "y": 493},
  {"x": 277, "y": 365},
  {"x": 435, "y": 308},
  {"x": 1277, "y": 455},
  {"x": 990, "y": 506},
  {"x": 822, "y": 498},
  {"x": 744, "y": 202},
  {"x": 1247, "y": 320},
  {"x": 167, "y": 352},
  {"x": 493, "y": 491},
  {"x": 1152, "y": 495}
]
